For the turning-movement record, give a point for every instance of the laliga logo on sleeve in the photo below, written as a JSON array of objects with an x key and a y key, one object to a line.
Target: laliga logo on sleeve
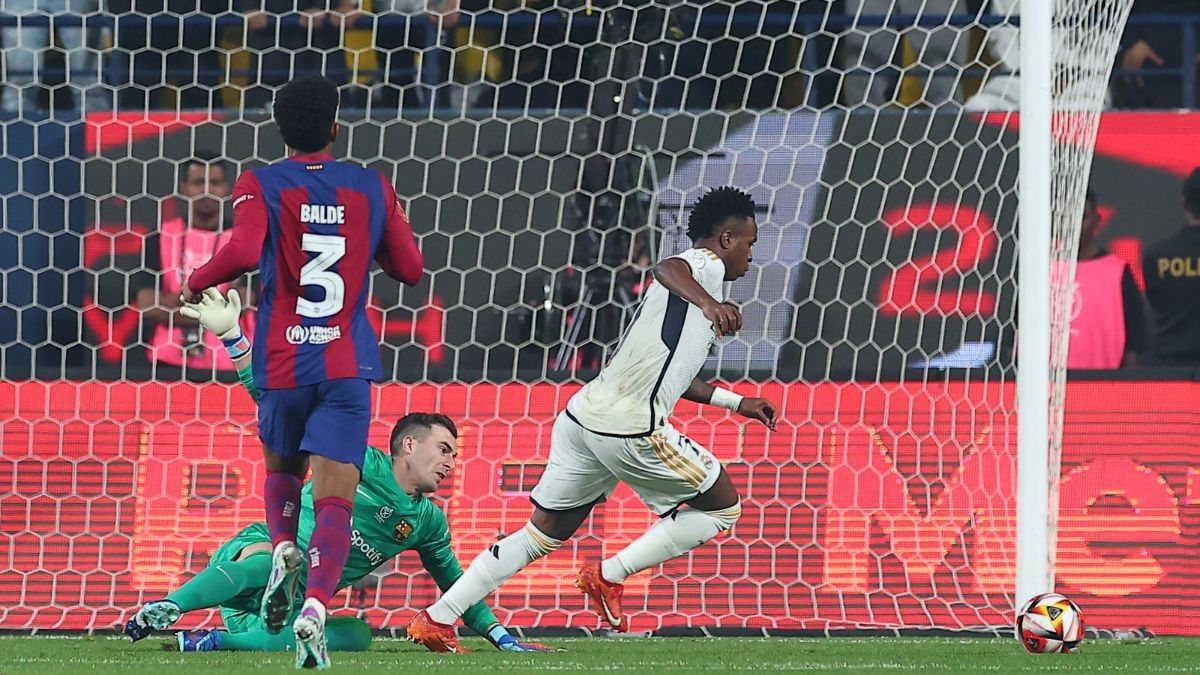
[{"x": 313, "y": 335}]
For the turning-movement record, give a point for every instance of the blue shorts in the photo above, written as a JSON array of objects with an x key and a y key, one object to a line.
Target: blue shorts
[{"x": 330, "y": 419}]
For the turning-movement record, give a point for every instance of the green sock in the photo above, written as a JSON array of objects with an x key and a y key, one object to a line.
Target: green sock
[
  {"x": 343, "y": 634},
  {"x": 222, "y": 582}
]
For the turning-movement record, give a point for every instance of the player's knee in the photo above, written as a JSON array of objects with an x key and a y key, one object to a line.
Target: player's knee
[
  {"x": 538, "y": 543},
  {"x": 727, "y": 517}
]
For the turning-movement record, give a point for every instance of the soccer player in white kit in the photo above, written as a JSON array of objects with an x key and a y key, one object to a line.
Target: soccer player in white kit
[{"x": 616, "y": 428}]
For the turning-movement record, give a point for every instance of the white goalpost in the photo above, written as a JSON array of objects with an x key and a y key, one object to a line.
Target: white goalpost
[
  {"x": 1067, "y": 51},
  {"x": 1035, "y": 568}
]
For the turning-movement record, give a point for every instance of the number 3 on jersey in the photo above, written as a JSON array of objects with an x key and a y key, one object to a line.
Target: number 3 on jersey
[{"x": 329, "y": 249}]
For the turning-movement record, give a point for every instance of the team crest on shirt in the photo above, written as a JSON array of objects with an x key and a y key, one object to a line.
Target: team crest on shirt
[{"x": 403, "y": 530}]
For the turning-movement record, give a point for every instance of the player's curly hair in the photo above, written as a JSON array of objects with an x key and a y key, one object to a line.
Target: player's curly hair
[
  {"x": 714, "y": 207},
  {"x": 419, "y": 420},
  {"x": 305, "y": 110},
  {"x": 1191, "y": 193}
]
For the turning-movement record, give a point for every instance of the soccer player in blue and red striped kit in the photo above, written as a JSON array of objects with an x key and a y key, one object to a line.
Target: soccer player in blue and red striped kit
[{"x": 312, "y": 226}]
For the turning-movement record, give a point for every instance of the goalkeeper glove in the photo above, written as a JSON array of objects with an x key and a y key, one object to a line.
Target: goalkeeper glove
[
  {"x": 220, "y": 315},
  {"x": 215, "y": 313},
  {"x": 499, "y": 637}
]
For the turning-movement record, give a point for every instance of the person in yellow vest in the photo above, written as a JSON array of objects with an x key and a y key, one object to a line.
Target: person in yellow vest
[{"x": 1172, "y": 269}]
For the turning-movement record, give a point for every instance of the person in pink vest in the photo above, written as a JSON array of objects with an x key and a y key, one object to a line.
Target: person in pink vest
[
  {"x": 1108, "y": 320},
  {"x": 183, "y": 244}
]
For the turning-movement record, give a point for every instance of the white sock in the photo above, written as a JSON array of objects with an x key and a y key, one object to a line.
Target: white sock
[
  {"x": 491, "y": 568},
  {"x": 669, "y": 538}
]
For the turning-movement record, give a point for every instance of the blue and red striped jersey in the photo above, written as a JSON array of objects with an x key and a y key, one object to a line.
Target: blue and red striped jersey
[{"x": 312, "y": 226}]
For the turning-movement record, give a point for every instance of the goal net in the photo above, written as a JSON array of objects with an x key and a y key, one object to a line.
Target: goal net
[{"x": 547, "y": 155}]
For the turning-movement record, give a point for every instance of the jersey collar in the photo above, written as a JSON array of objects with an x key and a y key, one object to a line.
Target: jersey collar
[{"x": 312, "y": 157}]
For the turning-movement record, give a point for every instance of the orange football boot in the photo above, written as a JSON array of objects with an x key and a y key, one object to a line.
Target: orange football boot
[
  {"x": 605, "y": 594},
  {"x": 434, "y": 636}
]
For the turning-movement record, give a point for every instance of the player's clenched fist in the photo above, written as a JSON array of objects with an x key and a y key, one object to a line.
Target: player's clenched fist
[
  {"x": 726, "y": 318},
  {"x": 758, "y": 409}
]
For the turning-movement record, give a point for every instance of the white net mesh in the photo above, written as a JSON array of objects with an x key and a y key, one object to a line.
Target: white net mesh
[
  {"x": 547, "y": 156},
  {"x": 1083, "y": 56}
]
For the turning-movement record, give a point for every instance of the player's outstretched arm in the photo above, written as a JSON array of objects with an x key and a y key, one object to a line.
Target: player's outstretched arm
[
  {"x": 676, "y": 276},
  {"x": 759, "y": 409},
  {"x": 221, "y": 315},
  {"x": 240, "y": 254}
]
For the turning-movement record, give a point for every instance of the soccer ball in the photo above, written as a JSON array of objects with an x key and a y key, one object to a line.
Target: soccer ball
[{"x": 1050, "y": 623}]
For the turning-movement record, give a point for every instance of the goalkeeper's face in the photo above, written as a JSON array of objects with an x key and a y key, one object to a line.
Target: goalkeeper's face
[{"x": 426, "y": 462}]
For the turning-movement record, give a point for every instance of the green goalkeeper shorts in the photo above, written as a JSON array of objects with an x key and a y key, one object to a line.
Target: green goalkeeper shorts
[{"x": 241, "y": 614}]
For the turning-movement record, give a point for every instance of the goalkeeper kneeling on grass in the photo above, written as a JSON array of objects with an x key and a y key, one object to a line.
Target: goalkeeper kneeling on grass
[{"x": 392, "y": 513}]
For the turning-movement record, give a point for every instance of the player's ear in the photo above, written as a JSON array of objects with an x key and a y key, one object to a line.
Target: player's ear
[
  {"x": 727, "y": 238},
  {"x": 333, "y": 133}
]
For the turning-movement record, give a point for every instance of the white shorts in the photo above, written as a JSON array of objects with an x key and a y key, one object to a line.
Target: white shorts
[{"x": 665, "y": 468}]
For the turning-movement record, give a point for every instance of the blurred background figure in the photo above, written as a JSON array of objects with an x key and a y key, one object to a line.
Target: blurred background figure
[
  {"x": 1108, "y": 319},
  {"x": 1153, "y": 56},
  {"x": 169, "y": 53},
  {"x": 1172, "y": 269},
  {"x": 291, "y": 38},
  {"x": 183, "y": 243},
  {"x": 26, "y": 47},
  {"x": 415, "y": 59},
  {"x": 871, "y": 49}
]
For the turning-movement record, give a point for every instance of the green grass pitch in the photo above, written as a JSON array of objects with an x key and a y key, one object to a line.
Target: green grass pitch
[{"x": 651, "y": 656}]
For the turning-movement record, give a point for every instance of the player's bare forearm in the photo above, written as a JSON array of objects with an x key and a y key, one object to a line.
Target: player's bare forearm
[
  {"x": 676, "y": 276},
  {"x": 160, "y": 308},
  {"x": 699, "y": 391}
]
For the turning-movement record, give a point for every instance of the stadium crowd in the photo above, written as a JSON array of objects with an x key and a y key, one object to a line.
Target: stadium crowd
[{"x": 483, "y": 54}]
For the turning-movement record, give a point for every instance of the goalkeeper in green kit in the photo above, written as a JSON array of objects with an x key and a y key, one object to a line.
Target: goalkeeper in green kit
[{"x": 392, "y": 513}]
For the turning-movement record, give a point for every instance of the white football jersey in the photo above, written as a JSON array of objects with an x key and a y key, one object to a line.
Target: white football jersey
[{"x": 660, "y": 354}]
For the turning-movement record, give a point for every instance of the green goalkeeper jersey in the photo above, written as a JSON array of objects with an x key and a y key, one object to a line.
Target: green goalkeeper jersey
[{"x": 386, "y": 521}]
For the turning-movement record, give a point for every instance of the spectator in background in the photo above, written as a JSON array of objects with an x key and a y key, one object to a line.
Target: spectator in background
[
  {"x": 413, "y": 53},
  {"x": 1001, "y": 88},
  {"x": 1172, "y": 271},
  {"x": 1151, "y": 48},
  {"x": 25, "y": 48},
  {"x": 182, "y": 244},
  {"x": 547, "y": 63},
  {"x": 179, "y": 48},
  {"x": 290, "y": 38},
  {"x": 869, "y": 50},
  {"x": 1108, "y": 321}
]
